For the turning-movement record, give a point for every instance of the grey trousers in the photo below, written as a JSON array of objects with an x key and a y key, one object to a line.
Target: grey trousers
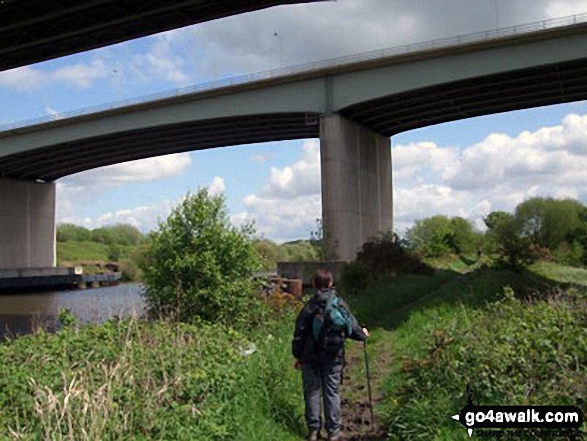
[{"x": 326, "y": 379}]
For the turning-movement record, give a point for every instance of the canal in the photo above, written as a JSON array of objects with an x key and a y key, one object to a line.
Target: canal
[{"x": 22, "y": 313}]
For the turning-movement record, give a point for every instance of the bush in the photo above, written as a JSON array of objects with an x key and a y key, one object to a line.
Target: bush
[
  {"x": 513, "y": 353},
  {"x": 197, "y": 264},
  {"x": 70, "y": 232},
  {"x": 439, "y": 236},
  {"x": 129, "y": 270},
  {"x": 382, "y": 256}
]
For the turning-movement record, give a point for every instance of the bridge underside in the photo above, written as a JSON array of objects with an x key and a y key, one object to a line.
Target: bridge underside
[
  {"x": 51, "y": 163},
  {"x": 521, "y": 89},
  {"x": 38, "y": 30}
]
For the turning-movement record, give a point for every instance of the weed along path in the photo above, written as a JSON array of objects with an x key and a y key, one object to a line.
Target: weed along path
[{"x": 356, "y": 414}]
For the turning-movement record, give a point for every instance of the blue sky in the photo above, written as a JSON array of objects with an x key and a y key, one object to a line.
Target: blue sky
[{"x": 465, "y": 168}]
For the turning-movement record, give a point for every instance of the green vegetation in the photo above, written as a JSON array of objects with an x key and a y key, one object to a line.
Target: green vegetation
[
  {"x": 88, "y": 251},
  {"x": 509, "y": 321},
  {"x": 517, "y": 337},
  {"x": 197, "y": 265},
  {"x": 540, "y": 228},
  {"x": 151, "y": 380},
  {"x": 120, "y": 244},
  {"x": 439, "y": 235},
  {"x": 271, "y": 253}
]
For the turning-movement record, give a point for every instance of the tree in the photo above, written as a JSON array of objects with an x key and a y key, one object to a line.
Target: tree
[
  {"x": 438, "y": 235},
  {"x": 125, "y": 234},
  {"x": 549, "y": 222},
  {"x": 506, "y": 231},
  {"x": 197, "y": 264},
  {"x": 268, "y": 252},
  {"x": 71, "y": 232},
  {"x": 102, "y": 235}
]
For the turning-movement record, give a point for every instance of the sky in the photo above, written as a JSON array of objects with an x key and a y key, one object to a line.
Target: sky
[{"x": 465, "y": 168}]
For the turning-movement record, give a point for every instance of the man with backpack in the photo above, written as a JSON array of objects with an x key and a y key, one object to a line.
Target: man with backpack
[{"x": 318, "y": 347}]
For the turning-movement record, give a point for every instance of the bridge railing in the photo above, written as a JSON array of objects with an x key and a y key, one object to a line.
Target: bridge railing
[{"x": 316, "y": 65}]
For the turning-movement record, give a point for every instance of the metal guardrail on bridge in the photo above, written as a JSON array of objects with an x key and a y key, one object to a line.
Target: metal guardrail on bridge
[{"x": 316, "y": 65}]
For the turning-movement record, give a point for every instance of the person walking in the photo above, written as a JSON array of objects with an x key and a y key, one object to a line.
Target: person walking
[{"x": 321, "y": 328}]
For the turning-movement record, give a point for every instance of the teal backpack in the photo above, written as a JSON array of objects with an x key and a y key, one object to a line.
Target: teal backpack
[{"x": 331, "y": 324}]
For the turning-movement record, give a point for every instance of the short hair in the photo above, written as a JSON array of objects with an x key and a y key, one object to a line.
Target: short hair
[{"x": 322, "y": 279}]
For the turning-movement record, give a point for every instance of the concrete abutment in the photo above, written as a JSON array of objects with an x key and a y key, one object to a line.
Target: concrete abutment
[
  {"x": 27, "y": 224},
  {"x": 357, "y": 197}
]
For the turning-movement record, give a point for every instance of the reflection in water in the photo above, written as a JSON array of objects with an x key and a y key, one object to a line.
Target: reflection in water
[{"x": 20, "y": 313}]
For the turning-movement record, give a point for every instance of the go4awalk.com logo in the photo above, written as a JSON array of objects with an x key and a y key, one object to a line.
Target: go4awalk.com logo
[{"x": 524, "y": 420}]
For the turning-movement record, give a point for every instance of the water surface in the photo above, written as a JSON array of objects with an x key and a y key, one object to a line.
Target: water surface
[{"x": 21, "y": 313}]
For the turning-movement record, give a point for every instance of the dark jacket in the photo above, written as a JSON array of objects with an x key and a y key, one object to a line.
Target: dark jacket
[{"x": 304, "y": 347}]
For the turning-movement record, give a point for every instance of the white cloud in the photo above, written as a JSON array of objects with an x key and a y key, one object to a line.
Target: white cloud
[
  {"x": 163, "y": 62},
  {"x": 84, "y": 188},
  {"x": 217, "y": 186},
  {"x": 23, "y": 78},
  {"x": 300, "y": 179},
  {"x": 439, "y": 162},
  {"x": 288, "y": 206},
  {"x": 551, "y": 156},
  {"x": 144, "y": 217},
  {"x": 495, "y": 174},
  {"x": 79, "y": 75},
  {"x": 143, "y": 170}
]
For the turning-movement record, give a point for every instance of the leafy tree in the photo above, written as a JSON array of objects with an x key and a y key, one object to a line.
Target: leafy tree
[
  {"x": 549, "y": 222},
  {"x": 71, "y": 232},
  {"x": 197, "y": 264},
  {"x": 302, "y": 250},
  {"x": 462, "y": 237},
  {"x": 438, "y": 235},
  {"x": 268, "y": 251},
  {"x": 103, "y": 235},
  {"x": 506, "y": 231},
  {"x": 126, "y": 234},
  {"x": 496, "y": 217}
]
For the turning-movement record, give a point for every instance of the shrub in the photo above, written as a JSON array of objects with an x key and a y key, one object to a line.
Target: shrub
[
  {"x": 513, "y": 353},
  {"x": 70, "y": 232},
  {"x": 382, "y": 256},
  {"x": 439, "y": 236},
  {"x": 197, "y": 264}
]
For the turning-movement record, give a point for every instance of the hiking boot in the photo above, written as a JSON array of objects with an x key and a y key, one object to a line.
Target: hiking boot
[
  {"x": 337, "y": 437},
  {"x": 313, "y": 436}
]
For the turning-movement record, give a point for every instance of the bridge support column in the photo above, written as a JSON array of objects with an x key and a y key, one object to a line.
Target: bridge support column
[
  {"x": 357, "y": 198},
  {"x": 27, "y": 224}
]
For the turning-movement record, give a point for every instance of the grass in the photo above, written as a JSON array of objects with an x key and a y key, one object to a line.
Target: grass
[
  {"x": 72, "y": 251},
  {"x": 151, "y": 380},
  {"x": 455, "y": 314},
  {"x": 560, "y": 273}
]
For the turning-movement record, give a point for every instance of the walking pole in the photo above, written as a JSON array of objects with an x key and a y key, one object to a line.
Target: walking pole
[{"x": 368, "y": 382}]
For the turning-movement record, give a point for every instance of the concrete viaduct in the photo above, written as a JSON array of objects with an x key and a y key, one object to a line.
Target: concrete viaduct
[
  {"x": 353, "y": 108},
  {"x": 36, "y": 30}
]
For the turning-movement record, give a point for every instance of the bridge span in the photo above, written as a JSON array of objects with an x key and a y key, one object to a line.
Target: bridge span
[
  {"x": 353, "y": 107},
  {"x": 36, "y": 30}
]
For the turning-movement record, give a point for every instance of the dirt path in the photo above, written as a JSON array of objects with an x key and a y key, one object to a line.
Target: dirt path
[{"x": 356, "y": 415}]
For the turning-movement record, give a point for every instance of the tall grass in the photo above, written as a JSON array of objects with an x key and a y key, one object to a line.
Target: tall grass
[{"x": 150, "y": 380}]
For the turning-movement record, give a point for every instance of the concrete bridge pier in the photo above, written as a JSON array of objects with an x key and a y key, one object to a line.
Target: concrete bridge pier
[
  {"x": 27, "y": 224},
  {"x": 357, "y": 198}
]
